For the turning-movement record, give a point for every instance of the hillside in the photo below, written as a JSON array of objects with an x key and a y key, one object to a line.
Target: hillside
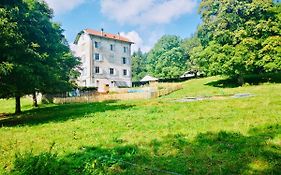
[{"x": 218, "y": 135}]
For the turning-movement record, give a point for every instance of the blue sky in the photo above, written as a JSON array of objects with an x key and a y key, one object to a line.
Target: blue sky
[{"x": 143, "y": 21}]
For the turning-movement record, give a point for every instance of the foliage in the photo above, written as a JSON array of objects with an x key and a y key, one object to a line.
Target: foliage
[
  {"x": 240, "y": 37},
  {"x": 139, "y": 64},
  {"x": 192, "y": 48},
  {"x": 34, "y": 54},
  {"x": 233, "y": 136},
  {"x": 167, "y": 58},
  {"x": 45, "y": 163}
]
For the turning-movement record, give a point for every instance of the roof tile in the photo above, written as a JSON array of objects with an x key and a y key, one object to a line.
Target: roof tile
[{"x": 108, "y": 35}]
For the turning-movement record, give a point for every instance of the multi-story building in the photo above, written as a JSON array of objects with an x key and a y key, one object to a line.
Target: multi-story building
[{"x": 106, "y": 59}]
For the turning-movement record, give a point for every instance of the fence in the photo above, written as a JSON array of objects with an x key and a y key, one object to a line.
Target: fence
[{"x": 148, "y": 93}]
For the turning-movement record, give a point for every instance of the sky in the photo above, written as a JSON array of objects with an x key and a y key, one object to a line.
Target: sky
[{"x": 142, "y": 21}]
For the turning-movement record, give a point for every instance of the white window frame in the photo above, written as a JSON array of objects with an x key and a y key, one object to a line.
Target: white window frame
[
  {"x": 114, "y": 71},
  {"x": 100, "y": 57},
  {"x": 97, "y": 44},
  {"x": 127, "y": 72},
  {"x": 126, "y": 62},
  {"x": 100, "y": 70}
]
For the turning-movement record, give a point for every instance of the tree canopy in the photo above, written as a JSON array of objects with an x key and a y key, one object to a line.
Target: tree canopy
[
  {"x": 240, "y": 37},
  {"x": 34, "y": 54},
  {"x": 167, "y": 59}
]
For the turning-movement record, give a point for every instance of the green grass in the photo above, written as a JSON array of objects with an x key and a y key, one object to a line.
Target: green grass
[
  {"x": 8, "y": 106},
  {"x": 159, "y": 136}
]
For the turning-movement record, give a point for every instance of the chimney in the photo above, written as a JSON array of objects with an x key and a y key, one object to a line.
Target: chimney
[
  {"x": 118, "y": 35},
  {"x": 102, "y": 32}
]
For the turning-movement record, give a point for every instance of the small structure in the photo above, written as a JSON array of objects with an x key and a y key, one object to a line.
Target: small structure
[
  {"x": 189, "y": 74},
  {"x": 149, "y": 79}
]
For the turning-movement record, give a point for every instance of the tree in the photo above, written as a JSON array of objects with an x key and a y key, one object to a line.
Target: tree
[
  {"x": 139, "y": 65},
  {"x": 35, "y": 55},
  {"x": 240, "y": 37},
  {"x": 167, "y": 58},
  {"x": 192, "y": 47}
]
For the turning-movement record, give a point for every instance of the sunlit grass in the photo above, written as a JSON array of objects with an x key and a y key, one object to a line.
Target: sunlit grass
[
  {"x": 8, "y": 105},
  {"x": 230, "y": 136}
]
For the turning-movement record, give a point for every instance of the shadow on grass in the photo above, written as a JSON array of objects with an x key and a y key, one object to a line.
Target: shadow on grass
[
  {"x": 250, "y": 79},
  {"x": 60, "y": 113},
  {"x": 209, "y": 153}
]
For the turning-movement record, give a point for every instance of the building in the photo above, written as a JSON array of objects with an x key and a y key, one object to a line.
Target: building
[
  {"x": 149, "y": 78},
  {"x": 106, "y": 59}
]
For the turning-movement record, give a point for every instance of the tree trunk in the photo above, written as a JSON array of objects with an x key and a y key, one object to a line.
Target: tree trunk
[
  {"x": 195, "y": 73},
  {"x": 18, "y": 108},
  {"x": 35, "y": 103},
  {"x": 240, "y": 80}
]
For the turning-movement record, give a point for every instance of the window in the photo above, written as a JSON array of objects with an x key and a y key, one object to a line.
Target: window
[
  {"x": 124, "y": 60},
  {"x": 125, "y": 73},
  {"x": 97, "y": 57},
  {"x": 97, "y": 44},
  {"x": 125, "y": 49},
  {"x": 111, "y": 71},
  {"x": 97, "y": 70},
  {"x": 111, "y": 47}
]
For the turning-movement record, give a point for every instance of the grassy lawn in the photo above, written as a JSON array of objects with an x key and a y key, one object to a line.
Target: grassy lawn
[
  {"x": 8, "y": 106},
  {"x": 159, "y": 136}
]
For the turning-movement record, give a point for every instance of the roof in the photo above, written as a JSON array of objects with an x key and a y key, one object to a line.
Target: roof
[
  {"x": 104, "y": 35},
  {"x": 121, "y": 84},
  {"x": 149, "y": 78}
]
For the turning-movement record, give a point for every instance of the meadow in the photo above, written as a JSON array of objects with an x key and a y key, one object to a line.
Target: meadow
[{"x": 157, "y": 136}]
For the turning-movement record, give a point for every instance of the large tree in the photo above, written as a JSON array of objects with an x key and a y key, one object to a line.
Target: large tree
[
  {"x": 192, "y": 48},
  {"x": 35, "y": 55},
  {"x": 167, "y": 58},
  {"x": 240, "y": 37}
]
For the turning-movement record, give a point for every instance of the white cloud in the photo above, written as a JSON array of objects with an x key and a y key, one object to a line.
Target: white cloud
[
  {"x": 144, "y": 12},
  {"x": 62, "y": 6},
  {"x": 138, "y": 41}
]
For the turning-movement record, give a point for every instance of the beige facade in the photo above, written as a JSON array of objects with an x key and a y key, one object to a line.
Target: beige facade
[{"x": 106, "y": 60}]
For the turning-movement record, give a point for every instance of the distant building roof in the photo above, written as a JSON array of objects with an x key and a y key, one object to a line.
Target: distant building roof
[
  {"x": 121, "y": 84},
  {"x": 103, "y": 35},
  {"x": 149, "y": 78}
]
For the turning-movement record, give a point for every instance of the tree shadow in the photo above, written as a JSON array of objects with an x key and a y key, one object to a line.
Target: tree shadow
[
  {"x": 249, "y": 79},
  {"x": 60, "y": 113},
  {"x": 209, "y": 153}
]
